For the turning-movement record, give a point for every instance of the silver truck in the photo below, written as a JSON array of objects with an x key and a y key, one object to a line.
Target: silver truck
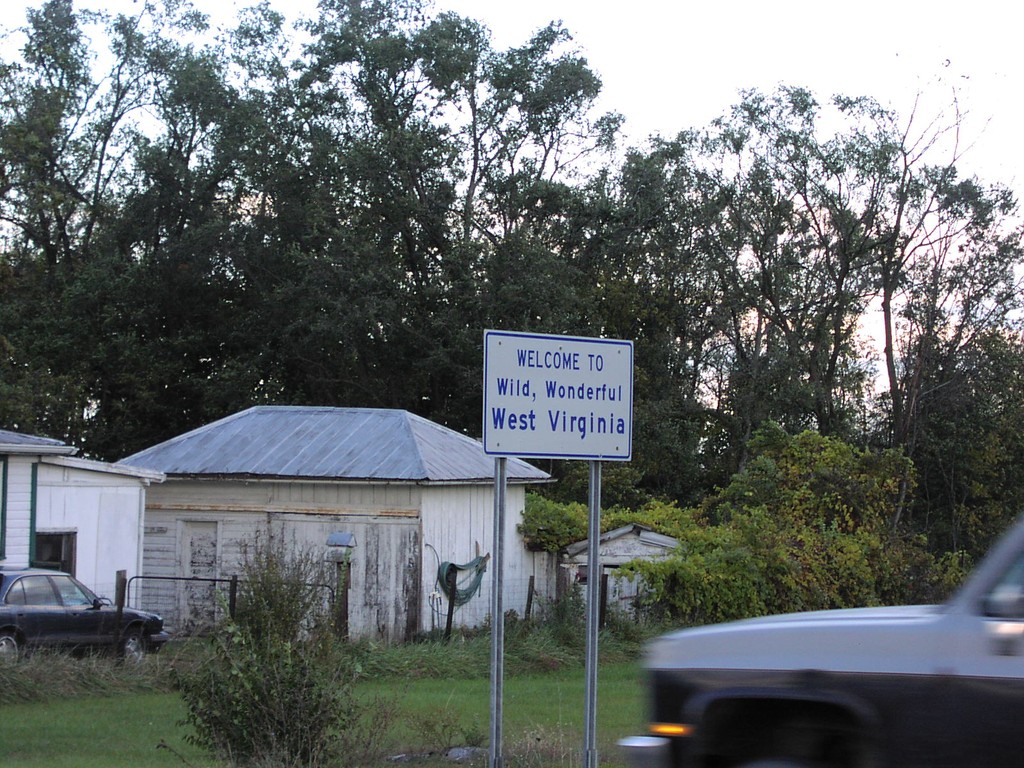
[{"x": 861, "y": 688}]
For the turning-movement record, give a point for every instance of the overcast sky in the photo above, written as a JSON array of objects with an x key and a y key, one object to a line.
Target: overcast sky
[{"x": 673, "y": 64}]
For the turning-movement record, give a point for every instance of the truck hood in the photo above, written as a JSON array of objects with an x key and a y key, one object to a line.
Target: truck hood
[{"x": 893, "y": 639}]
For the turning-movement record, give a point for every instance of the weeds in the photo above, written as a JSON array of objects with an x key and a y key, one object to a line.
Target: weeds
[
  {"x": 540, "y": 645},
  {"x": 439, "y": 730},
  {"x": 543, "y": 748},
  {"x": 46, "y": 675},
  {"x": 299, "y": 691}
]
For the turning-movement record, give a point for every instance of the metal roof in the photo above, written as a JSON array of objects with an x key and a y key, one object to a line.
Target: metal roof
[
  {"x": 646, "y": 536},
  {"x": 368, "y": 444},
  {"x": 16, "y": 442},
  {"x": 88, "y": 465}
]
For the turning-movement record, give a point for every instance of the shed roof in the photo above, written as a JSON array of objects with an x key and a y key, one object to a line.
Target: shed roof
[
  {"x": 19, "y": 443},
  {"x": 649, "y": 539},
  {"x": 368, "y": 444},
  {"x": 147, "y": 476}
]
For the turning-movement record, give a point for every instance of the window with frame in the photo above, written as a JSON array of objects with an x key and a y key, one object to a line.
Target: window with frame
[
  {"x": 56, "y": 550},
  {"x": 32, "y": 590}
]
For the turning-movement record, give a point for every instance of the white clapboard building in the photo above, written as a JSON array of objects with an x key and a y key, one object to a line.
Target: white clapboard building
[
  {"x": 616, "y": 548},
  {"x": 400, "y": 493},
  {"x": 77, "y": 515}
]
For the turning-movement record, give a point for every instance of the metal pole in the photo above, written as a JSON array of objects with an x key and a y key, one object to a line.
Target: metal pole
[
  {"x": 593, "y": 616},
  {"x": 498, "y": 612}
]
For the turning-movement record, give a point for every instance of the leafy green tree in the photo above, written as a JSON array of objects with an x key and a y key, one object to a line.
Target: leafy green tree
[
  {"x": 804, "y": 526},
  {"x": 801, "y": 238},
  {"x": 67, "y": 140},
  {"x": 643, "y": 243},
  {"x": 969, "y": 447}
]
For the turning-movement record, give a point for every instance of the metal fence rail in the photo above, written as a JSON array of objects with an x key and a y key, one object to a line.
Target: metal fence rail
[{"x": 193, "y": 605}]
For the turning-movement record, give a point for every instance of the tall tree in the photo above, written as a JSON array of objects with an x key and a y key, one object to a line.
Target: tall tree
[{"x": 801, "y": 237}]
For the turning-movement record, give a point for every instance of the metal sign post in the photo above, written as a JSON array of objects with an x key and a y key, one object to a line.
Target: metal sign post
[
  {"x": 498, "y": 612},
  {"x": 594, "y": 574}
]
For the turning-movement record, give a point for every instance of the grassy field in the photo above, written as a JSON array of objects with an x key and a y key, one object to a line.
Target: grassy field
[{"x": 542, "y": 724}]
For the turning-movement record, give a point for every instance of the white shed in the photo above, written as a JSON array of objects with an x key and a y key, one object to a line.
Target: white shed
[
  {"x": 84, "y": 517},
  {"x": 618, "y": 547},
  {"x": 411, "y": 493}
]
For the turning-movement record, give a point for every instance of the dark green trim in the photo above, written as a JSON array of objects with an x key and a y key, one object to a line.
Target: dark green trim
[
  {"x": 32, "y": 513},
  {"x": 3, "y": 507}
]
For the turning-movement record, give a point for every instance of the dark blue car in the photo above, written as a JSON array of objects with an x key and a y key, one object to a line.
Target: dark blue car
[{"x": 49, "y": 609}]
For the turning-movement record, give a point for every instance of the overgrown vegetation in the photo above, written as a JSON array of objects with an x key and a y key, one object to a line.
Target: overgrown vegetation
[
  {"x": 810, "y": 523},
  {"x": 45, "y": 675},
  {"x": 274, "y": 689},
  {"x": 275, "y": 686},
  {"x": 552, "y": 641}
]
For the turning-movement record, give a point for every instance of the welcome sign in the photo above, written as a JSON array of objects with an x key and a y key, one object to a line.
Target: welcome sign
[{"x": 560, "y": 397}]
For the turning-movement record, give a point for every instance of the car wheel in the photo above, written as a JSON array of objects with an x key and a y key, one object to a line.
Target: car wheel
[
  {"x": 133, "y": 645},
  {"x": 8, "y": 645}
]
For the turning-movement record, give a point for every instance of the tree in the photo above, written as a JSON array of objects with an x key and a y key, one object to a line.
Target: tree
[
  {"x": 969, "y": 448},
  {"x": 66, "y": 142},
  {"x": 800, "y": 238}
]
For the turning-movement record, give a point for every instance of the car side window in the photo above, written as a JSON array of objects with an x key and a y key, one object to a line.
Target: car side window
[
  {"x": 1006, "y": 600},
  {"x": 37, "y": 591},
  {"x": 16, "y": 594},
  {"x": 70, "y": 593}
]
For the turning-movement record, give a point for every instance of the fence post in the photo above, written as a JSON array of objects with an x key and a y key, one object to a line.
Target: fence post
[
  {"x": 604, "y": 600},
  {"x": 529, "y": 598},
  {"x": 120, "y": 590},
  {"x": 450, "y": 577},
  {"x": 344, "y": 574},
  {"x": 233, "y": 596}
]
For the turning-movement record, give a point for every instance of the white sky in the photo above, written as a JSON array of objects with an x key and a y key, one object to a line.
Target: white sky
[
  {"x": 669, "y": 65},
  {"x": 674, "y": 64}
]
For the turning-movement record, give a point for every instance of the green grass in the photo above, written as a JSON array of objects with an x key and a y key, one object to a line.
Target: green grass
[
  {"x": 421, "y": 698},
  {"x": 124, "y": 729},
  {"x": 537, "y": 707},
  {"x": 542, "y": 724}
]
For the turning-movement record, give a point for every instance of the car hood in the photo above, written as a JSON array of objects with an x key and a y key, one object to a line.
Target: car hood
[
  {"x": 897, "y": 639},
  {"x": 137, "y": 614}
]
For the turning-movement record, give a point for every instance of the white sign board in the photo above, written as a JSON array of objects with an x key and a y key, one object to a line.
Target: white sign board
[{"x": 558, "y": 397}]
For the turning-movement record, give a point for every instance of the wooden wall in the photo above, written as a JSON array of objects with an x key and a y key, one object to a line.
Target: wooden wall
[
  {"x": 184, "y": 520},
  {"x": 402, "y": 531}
]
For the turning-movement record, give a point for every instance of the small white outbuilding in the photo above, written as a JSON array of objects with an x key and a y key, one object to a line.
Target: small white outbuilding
[
  {"x": 618, "y": 547},
  {"x": 57, "y": 511}
]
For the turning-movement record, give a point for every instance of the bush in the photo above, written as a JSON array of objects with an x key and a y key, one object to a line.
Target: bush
[
  {"x": 274, "y": 689},
  {"x": 268, "y": 700},
  {"x": 805, "y": 526},
  {"x": 548, "y": 525}
]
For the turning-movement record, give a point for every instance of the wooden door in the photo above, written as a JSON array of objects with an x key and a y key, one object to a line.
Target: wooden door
[{"x": 200, "y": 554}]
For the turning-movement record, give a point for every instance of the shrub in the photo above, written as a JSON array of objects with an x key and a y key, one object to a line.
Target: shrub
[
  {"x": 548, "y": 525},
  {"x": 805, "y": 526},
  {"x": 274, "y": 690},
  {"x": 268, "y": 700}
]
